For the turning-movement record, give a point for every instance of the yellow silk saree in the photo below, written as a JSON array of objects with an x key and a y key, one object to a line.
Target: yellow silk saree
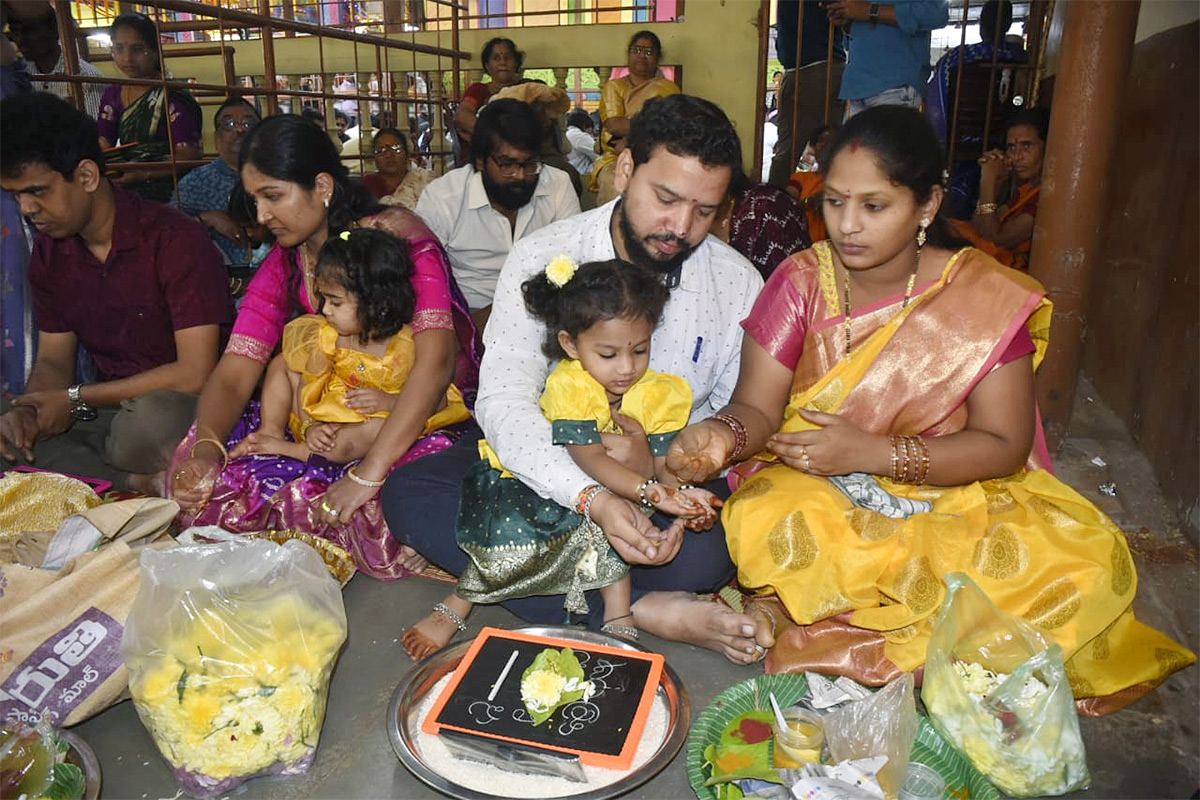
[{"x": 864, "y": 586}]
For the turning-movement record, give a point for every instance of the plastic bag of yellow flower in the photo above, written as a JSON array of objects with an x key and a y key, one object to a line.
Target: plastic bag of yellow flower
[
  {"x": 998, "y": 691},
  {"x": 230, "y": 649}
]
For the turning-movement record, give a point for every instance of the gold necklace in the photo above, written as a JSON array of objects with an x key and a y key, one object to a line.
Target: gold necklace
[{"x": 912, "y": 280}]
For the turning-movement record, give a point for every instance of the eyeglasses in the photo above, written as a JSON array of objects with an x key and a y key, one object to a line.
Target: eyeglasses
[
  {"x": 230, "y": 124},
  {"x": 515, "y": 169},
  {"x": 394, "y": 149},
  {"x": 638, "y": 50},
  {"x": 135, "y": 50}
]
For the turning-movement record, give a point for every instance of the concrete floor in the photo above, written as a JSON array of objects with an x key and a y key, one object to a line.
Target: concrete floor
[{"x": 1151, "y": 750}]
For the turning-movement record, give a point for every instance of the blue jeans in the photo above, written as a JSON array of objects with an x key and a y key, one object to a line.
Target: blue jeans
[
  {"x": 899, "y": 96},
  {"x": 420, "y": 503}
]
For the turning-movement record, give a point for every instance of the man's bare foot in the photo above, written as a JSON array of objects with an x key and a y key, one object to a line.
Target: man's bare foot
[
  {"x": 684, "y": 617},
  {"x": 436, "y": 630},
  {"x": 153, "y": 484}
]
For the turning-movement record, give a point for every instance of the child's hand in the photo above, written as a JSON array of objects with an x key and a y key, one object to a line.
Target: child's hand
[
  {"x": 696, "y": 507},
  {"x": 365, "y": 400},
  {"x": 321, "y": 437},
  {"x": 710, "y": 504}
]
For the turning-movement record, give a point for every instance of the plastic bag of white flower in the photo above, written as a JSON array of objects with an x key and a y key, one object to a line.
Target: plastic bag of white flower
[
  {"x": 997, "y": 689},
  {"x": 230, "y": 648}
]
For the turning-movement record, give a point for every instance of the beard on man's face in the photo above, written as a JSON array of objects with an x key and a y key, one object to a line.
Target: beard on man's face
[
  {"x": 641, "y": 255},
  {"x": 513, "y": 195}
]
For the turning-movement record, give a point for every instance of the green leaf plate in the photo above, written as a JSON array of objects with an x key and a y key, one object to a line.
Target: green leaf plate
[{"x": 963, "y": 781}]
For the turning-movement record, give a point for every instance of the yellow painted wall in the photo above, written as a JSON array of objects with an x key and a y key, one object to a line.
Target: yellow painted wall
[{"x": 716, "y": 45}]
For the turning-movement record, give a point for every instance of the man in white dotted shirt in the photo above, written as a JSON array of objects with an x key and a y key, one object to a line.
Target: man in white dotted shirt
[{"x": 673, "y": 177}]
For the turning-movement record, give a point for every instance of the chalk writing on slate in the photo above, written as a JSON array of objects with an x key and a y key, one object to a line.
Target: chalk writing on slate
[{"x": 598, "y": 729}]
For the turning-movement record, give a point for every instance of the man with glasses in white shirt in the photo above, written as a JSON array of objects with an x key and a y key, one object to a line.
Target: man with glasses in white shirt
[
  {"x": 673, "y": 178},
  {"x": 478, "y": 211}
]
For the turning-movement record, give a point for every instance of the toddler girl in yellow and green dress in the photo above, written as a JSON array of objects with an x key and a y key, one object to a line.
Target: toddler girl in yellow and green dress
[
  {"x": 339, "y": 372},
  {"x": 599, "y": 319}
]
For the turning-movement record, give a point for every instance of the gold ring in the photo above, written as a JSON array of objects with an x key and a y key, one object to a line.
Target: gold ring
[
  {"x": 804, "y": 456},
  {"x": 325, "y": 507}
]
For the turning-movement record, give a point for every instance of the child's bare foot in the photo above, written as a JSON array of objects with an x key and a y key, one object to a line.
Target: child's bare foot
[
  {"x": 261, "y": 443},
  {"x": 434, "y": 632},
  {"x": 622, "y": 627}
]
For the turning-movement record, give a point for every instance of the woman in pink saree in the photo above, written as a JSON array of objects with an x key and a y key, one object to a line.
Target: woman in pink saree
[{"x": 303, "y": 194}]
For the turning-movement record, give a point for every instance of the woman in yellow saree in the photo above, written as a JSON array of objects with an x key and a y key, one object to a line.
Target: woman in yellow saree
[
  {"x": 887, "y": 388},
  {"x": 620, "y": 100}
]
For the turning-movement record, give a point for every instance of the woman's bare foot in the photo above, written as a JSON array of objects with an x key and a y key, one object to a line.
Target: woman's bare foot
[
  {"x": 684, "y": 617},
  {"x": 437, "y": 629}
]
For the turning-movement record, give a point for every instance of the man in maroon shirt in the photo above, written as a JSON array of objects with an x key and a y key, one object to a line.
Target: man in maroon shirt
[{"x": 139, "y": 285}]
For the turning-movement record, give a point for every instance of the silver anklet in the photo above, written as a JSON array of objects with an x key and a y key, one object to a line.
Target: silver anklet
[{"x": 449, "y": 613}]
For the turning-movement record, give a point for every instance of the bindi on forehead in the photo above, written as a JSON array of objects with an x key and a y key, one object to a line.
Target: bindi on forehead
[{"x": 854, "y": 147}]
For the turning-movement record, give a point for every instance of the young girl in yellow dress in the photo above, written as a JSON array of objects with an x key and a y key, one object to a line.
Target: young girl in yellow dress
[
  {"x": 340, "y": 371},
  {"x": 599, "y": 319}
]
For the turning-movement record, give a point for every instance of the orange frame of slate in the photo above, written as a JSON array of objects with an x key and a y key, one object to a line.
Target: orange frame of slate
[{"x": 622, "y": 760}]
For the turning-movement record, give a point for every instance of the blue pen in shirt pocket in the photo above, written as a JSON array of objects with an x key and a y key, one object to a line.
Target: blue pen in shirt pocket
[{"x": 696, "y": 352}]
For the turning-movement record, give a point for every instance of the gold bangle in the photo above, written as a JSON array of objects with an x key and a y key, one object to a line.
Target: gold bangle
[
  {"x": 216, "y": 443},
  {"x": 983, "y": 209},
  {"x": 361, "y": 481}
]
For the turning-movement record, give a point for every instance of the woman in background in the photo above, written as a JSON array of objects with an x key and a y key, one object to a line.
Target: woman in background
[
  {"x": 1009, "y": 185},
  {"x": 620, "y": 100},
  {"x": 397, "y": 181},
  {"x": 138, "y": 117}
]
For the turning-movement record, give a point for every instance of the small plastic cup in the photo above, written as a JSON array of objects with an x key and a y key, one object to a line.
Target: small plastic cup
[
  {"x": 801, "y": 740},
  {"x": 922, "y": 783}
]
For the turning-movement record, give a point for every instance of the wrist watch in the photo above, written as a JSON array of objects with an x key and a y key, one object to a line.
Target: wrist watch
[
  {"x": 873, "y": 14},
  {"x": 79, "y": 407}
]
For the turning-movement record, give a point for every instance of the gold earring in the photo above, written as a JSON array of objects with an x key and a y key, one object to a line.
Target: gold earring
[{"x": 921, "y": 233}]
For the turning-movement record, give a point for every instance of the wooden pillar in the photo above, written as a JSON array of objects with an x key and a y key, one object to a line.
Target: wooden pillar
[{"x": 1097, "y": 46}]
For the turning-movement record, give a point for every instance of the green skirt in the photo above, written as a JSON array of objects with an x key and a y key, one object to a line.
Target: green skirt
[{"x": 522, "y": 545}]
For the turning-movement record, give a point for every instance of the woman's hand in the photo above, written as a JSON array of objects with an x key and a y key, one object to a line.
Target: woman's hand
[
  {"x": 632, "y": 534},
  {"x": 366, "y": 400},
  {"x": 344, "y": 497},
  {"x": 699, "y": 451},
  {"x": 194, "y": 479},
  {"x": 838, "y": 447},
  {"x": 993, "y": 169}
]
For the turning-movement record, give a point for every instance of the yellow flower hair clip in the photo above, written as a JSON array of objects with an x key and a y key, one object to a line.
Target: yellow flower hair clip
[
  {"x": 560, "y": 270},
  {"x": 344, "y": 236}
]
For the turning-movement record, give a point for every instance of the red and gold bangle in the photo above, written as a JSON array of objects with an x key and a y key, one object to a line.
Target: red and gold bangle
[
  {"x": 584, "y": 504},
  {"x": 923, "y": 471},
  {"x": 739, "y": 434}
]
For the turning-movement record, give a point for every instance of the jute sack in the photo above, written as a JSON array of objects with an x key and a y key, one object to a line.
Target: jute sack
[{"x": 60, "y": 635}]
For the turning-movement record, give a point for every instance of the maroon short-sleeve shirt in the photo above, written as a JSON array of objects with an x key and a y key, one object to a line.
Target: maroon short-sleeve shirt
[{"x": 163, "y": 274}]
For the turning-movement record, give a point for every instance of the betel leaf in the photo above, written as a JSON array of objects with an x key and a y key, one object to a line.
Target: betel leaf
[
  {"x": 549, "y": 665},
  {"x": 67, "y": 783}
]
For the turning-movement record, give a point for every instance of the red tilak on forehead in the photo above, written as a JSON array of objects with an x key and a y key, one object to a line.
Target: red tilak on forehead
[{"x": 854, "y": 147}]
